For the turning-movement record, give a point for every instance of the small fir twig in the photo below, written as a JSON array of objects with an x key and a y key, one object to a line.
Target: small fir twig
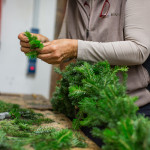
[{"x": 34, "y": 44}]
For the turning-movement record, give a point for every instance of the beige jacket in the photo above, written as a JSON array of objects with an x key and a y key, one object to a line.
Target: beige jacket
[{"x": 122, "y": 38}]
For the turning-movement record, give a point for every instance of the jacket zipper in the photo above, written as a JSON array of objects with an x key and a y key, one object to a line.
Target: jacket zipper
[{"x": 87, "y": 34}]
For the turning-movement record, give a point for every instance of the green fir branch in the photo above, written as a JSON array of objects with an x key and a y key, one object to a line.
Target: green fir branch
[{"x": 34, "y": 45}]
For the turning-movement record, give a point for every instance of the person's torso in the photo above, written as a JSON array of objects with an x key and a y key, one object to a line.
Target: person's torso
[{"x": 85, "y": 22}]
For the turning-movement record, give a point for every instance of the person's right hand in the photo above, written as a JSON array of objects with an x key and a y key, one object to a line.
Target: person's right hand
[{"x": 24, "y": 42}]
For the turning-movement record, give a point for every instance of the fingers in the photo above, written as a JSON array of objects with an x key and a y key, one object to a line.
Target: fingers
[
  {"x": 22, "y": 37},
  {"x": 42, "y": 38},
  {"x": 50, "y": 58},
  {"x": 46, "y": 44},
  {"x": 25, "y": 47},
  {"x": 24, "y": 44},
  {"x": 48, "y": 48},
  {"x": 44, "y": 50},
  {"x": 25, "y": 50},
  {"x": 44, "y": 56},
  {"x": 51, "y": 61}
]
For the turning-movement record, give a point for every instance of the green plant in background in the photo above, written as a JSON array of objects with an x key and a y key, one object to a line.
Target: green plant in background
[
  {"x": 93, "y": 96},
  {"x": 23, "y": 129},
  {"x": 57, "y": 140},
  {"x": 34, "y": 44},
  {"x": 7, "y": 144},
  {"x": 16, "y": 130},
  {"x": 20, "y": 115},
  {"x": 41, "y": 138},
  {"x": 6, "y": 107}
]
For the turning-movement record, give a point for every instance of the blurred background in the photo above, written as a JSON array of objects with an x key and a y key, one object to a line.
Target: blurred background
[{"x": 18, "y": 74}]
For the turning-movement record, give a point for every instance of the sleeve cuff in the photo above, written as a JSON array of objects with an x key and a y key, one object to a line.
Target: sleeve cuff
[{"x": 81, "y": 49}]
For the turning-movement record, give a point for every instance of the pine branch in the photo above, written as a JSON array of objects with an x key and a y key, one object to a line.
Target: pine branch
[
  {"x": 128, "y": 135},
  {"x": 34, "y": 44}
]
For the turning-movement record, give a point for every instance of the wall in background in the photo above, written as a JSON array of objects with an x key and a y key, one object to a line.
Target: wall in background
[{"x": 16, "y": 18}]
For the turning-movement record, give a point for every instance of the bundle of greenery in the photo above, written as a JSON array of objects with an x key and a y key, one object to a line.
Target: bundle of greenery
[
  {"x": 34, "y": 44},
  {"x": 92, "y": 95},
  {"x": 23, "y": 130}
]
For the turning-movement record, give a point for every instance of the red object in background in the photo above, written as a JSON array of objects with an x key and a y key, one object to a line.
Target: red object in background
[
  {"x": 32, "y": 68},
  {"x": 0, "y": 17}
]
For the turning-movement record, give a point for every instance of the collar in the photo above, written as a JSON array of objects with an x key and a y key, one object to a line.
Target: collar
[{"x": 83, "y": 4}]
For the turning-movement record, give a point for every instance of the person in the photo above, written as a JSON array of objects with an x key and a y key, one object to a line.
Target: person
[{"x": 114, "y": 30}]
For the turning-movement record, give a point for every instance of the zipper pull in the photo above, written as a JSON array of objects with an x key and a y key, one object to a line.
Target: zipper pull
[{"x": 87, "y": 33}]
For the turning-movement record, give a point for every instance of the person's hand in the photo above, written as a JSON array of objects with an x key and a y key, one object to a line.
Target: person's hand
[
  {"x": 24, "y": 42},
  {"x": 56, "y": 51}
]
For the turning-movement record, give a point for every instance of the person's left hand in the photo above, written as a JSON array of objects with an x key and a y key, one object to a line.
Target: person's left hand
[{"x": 56, "y": 51}]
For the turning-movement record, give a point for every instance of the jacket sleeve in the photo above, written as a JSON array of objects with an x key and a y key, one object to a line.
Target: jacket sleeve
[{"x": 136, "y": 47}]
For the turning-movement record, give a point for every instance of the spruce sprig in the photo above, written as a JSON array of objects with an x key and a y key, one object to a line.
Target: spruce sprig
[
  {"x": 128, "y": 135},
  {"x": 34, "y": 44}
]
